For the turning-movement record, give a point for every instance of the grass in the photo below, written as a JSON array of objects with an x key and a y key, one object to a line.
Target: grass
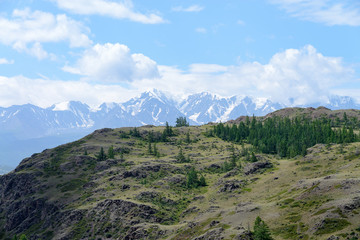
[
  {"x": 331, "y": 225},
  {"x": 288, "y": 231},
  {"x": 72, "y": 185},
  {"x": 197, "y": 230},
  {"x": 321, "y": 211}
]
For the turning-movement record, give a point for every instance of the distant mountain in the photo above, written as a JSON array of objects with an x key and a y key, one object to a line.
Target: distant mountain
[
  {"x": 67, "y": 121},
  {"x": 152, "y": 107}
]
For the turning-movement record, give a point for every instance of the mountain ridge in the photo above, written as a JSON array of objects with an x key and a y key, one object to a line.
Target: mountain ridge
[
  {"x": 150, "y": 108},
  {"x": 143, "y": 190},
  {"x": 23, "y": 124}
]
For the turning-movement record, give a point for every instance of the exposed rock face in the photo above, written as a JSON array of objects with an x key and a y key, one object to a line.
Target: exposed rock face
[
  {"x": 24, "y": 213},
  {"x": 144, "y": 170},
  {"x": 122, "y": 210},
  {"x": 246, "y": 235},
  {"x": 230, "y": 186},
  {"x": 214, "y": 234},
  {"x": 19, "y": 208},
  {"x": 256, "y": 166}
]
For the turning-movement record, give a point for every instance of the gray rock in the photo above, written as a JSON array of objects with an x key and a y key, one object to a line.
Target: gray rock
[
  {"x": 230, "y": 186},
  {"x": 214, "y": 234},
  {"x": 256, "y": 167}
]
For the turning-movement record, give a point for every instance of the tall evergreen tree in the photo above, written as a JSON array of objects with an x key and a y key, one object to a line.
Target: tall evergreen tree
[
  {"x": 181, "y": 122},
  {"x": 188, "y": 140},
  {"x": 101, "y": 156},
  {"x": 180, "y": 157},
  {"x": 261, "y": 230},
  {"x": 111, "y": 153}
]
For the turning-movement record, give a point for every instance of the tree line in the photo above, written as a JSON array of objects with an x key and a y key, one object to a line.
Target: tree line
[{"x": 284, "y": 136}]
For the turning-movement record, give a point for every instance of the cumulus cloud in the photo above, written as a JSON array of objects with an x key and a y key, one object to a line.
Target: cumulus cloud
[
  {"x": 119, "y": 10},
  {"x": 28, "y": 27},
  {"x": 329, "y": 12},
  {"x": 113, "y": 63},
  {"x": 44, "y": 93},
  {"x": 192, "y": 8},
  {"x": 5, "y": 61},
  {"x": 303, "y": 75}
]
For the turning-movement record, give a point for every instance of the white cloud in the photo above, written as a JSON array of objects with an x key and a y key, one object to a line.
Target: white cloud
[
  {"x": 5, "y": 61},
  {"x": 304, "y": 75},
  {"x": 44, "y": 93},
  {"x": 192, "y": 8},
  {"x": 207, "y": 68},
  {"x": 329, "y": 12},
  {"x": 33, "y": 28},
  {"x": 201, "y": 30},
  {"x": 113, "y": 63},
  {"x": 119, "y": 10}
]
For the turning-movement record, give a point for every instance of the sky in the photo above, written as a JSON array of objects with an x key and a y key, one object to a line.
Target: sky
[{"x": 96, "y": 51}]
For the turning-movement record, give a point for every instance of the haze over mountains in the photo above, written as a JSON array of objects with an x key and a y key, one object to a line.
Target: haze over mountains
[{"x": 26, "y": 129}]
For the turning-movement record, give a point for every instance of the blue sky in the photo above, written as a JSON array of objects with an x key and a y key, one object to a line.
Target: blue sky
[{"x": 99, "y": 51}]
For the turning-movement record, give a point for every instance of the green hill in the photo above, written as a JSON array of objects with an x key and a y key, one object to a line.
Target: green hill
[{"x": 186, "y": 183}]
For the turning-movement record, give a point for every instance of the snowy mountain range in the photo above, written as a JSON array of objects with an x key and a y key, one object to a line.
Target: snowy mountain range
[
  {"x": 34, "y": 128},
  {"x": 152, "y": 107}
]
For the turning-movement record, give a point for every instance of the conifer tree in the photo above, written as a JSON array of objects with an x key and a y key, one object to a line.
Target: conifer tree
[
  {"x": 155, "y": 151},
  {"x": 181, "y": 122},
  {"x": 202, "y": 181},
  {"x": 101, "y": 156},
  {"x": 187, "y": 140},
  {"x": 111, "y": 153},
  {"x": 193, "y": 180},
  {"x": 180, "y": 157},
  {"x": 261, "y": 230}
]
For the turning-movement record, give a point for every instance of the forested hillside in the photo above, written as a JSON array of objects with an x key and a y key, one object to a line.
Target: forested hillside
[{"x": 278, "y": 177}]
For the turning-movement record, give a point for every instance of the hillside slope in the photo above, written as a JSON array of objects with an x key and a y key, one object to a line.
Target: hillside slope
[{"x": 69, "y": 192}]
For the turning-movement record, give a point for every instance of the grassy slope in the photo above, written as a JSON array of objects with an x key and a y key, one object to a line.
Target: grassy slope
[{"x": 296, "y": 197}]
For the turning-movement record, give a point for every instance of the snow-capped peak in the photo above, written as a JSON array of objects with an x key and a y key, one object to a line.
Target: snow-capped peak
[{"x": 63, "y": 106}]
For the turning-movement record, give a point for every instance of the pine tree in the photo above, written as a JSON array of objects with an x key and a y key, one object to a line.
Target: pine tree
[
  {"x": 187, "y": 140},
  {"x": 181, "y": 122},
  {"x": 180, "y": 157},
  {"x": 101, "y": 156},
  {"x": 111, "y": 153},
  {"x": 192, "y": 179},
  {"x": 155, "y": 151},
  {"x": 168, "y": 129},
  {"x": 261, "y": 230},
  {"x": 202, "y": 181}
]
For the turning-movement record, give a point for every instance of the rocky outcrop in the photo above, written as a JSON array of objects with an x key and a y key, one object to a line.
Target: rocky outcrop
[
  {"x": 214, "y": 234},
  {"x": 231, "y": 185},
  {"x": 252, "y": 168},
  {"x": 144, "y": 170}
]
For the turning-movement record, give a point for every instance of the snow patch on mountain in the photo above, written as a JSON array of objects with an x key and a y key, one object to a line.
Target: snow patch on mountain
[
  {"x": 151, "y": 107},
  {"x": 63, "y": 106}
]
